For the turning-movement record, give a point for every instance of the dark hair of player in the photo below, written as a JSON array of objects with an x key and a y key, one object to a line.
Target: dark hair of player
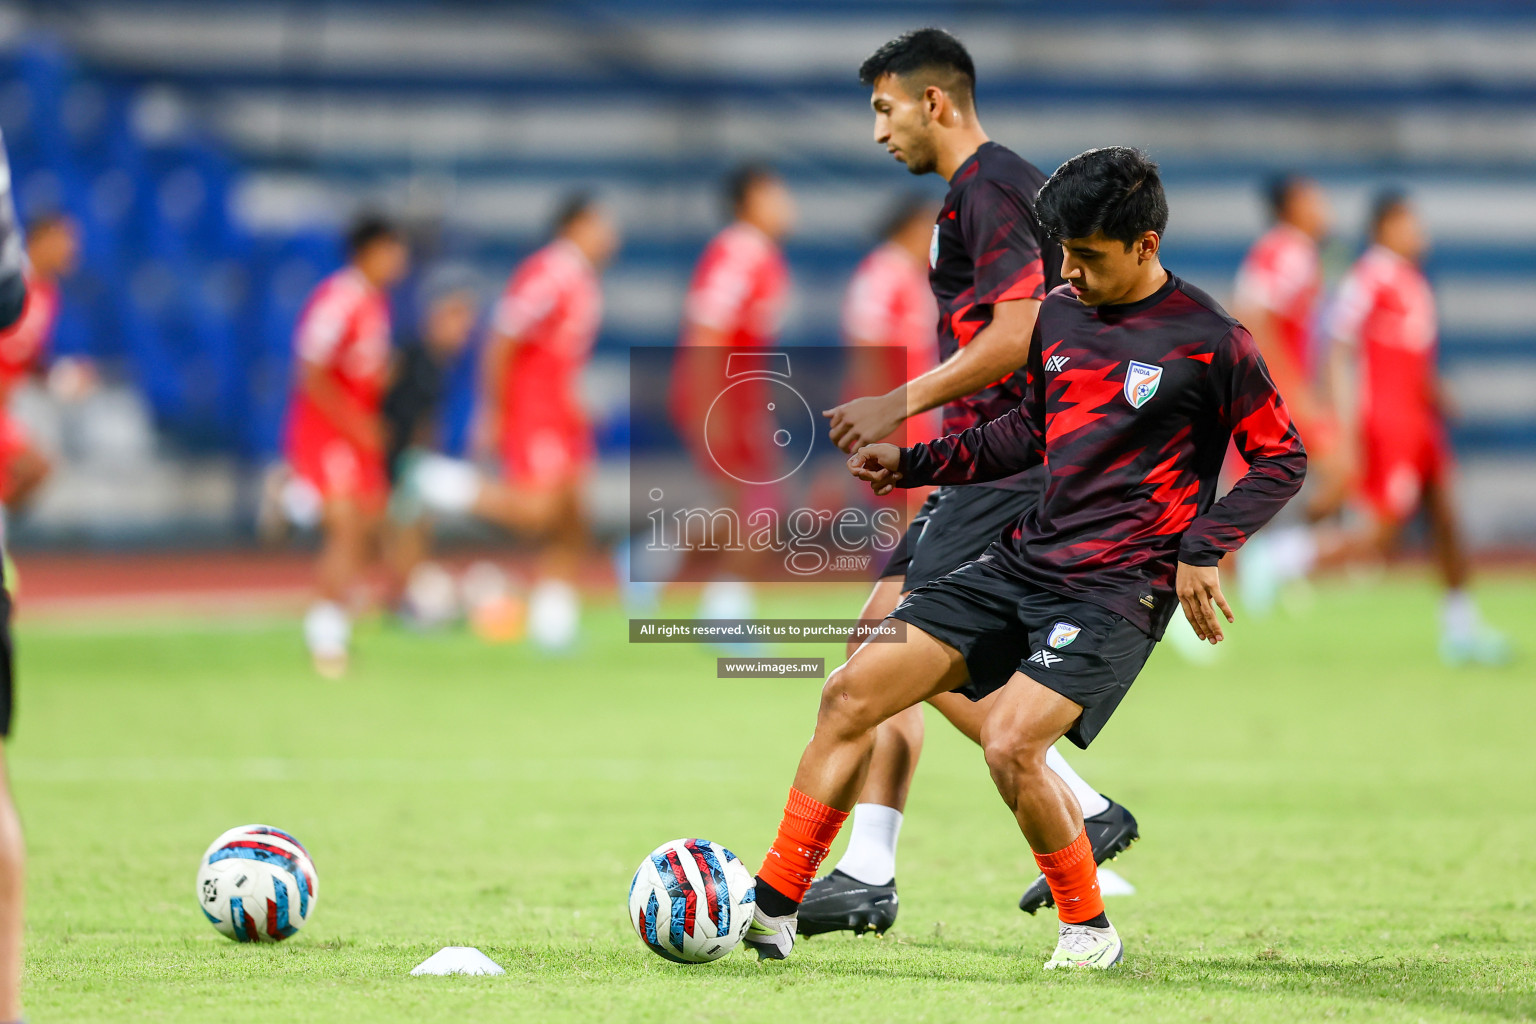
[
  {"x": 741, "y": 181},
  {"x": 1280, "y": 188},
  {"x": 928, "y": 56},
  {"x": 367, "y": 228},
  {"x": 1385, "y": 203},
  {"x": 573, "y": 206},
  {"x": 901, "y": 213},
  {"x": 46, "y": 221},
  {"x": 1116, "y": 190}
]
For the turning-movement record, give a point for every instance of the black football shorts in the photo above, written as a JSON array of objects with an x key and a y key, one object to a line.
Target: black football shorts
[
  {"x": 954, "y": 526},
  {"x": 1002, "y": 624}
]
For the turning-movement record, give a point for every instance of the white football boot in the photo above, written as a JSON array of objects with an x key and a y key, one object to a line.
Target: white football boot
[
  {"x": 1081, "y": 946},
  {"x": 772, "y": 937}
]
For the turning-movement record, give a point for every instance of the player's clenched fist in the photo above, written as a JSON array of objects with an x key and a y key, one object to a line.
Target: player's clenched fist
[
  {"x": 879, "y": 464},
  {"x": 1198, "y": 587}
]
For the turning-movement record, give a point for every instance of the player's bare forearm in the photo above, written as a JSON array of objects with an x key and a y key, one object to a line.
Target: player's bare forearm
[
  {"x": 1199, "y": 591},
  {"x": 344, "y": 412},
  {"x": 999, "y": 350}
]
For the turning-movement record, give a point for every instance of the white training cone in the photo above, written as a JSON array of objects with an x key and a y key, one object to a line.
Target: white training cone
[
  {"x": 458, "y": 960},
  {"x": 1111, "y": 884}
]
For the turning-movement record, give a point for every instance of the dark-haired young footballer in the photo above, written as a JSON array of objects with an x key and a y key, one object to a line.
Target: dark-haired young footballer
[
  {"x": 1136, "y": 383},
  {"x": 990, "y": 266}
]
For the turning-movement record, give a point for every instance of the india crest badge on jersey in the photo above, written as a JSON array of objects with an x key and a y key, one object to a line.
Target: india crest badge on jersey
[
  {"x": 1141, "y": 381},
  {"x": 1062, "y": 634}
]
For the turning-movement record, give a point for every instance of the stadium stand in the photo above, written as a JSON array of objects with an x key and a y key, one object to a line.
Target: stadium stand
[{"x": 211, "y": 150}]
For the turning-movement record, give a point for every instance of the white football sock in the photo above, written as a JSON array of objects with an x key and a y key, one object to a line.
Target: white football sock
[
  {"x": 1458, "y": 614},
  {"x": 726, "y": 599},
  {"x": 1092, "y": 800},
  {"x": 447, "y": 485},
  {"x": 327, "y": 630},
  {"x": 871, "y": 853},
  {"x": 554, "y": 613}
]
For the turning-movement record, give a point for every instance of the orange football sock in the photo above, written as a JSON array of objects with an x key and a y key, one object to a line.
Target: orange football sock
[
  {"x": 1074, "y": 880},
  {"x": 805, "y": 836}
]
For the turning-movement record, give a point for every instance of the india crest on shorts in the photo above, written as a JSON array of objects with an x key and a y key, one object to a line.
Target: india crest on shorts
[
  {"x": 1062, "y": 634},
  {"x": 1141, "y": 381}
]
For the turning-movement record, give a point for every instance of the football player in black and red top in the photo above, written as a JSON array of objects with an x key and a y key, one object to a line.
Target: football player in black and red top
[
  {"x": 990, "y": 266},
  {"x": 1136, "y": 383}
]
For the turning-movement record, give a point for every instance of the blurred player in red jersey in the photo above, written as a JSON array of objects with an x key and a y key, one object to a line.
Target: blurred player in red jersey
[
  {"x": 531, "y": 419},
  {"x": 335, "y": 432},
  {"x": 889, "y": 305},
  {"x": 1392, "y": 406},
  {"x": 1277, "y": 296},
  {"x": 1384, "y": 327},
  {"x": 53, "y": 245},
  {"x": 735, "y": 304}
]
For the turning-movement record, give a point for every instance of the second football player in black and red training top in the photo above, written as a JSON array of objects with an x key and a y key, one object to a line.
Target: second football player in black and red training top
[
  {"x": 1136, "y": 383},
  {"x": 990, "y": 267}
]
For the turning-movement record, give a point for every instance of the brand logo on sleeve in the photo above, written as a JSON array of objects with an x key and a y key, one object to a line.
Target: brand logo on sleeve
[
  {"x": 1056, "y": 364},
  {"x": 1062, "y": 634},
  {"x": 1141, "y": 381}
]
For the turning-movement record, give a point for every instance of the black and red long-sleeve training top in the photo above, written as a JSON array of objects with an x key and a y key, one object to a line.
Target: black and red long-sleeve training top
[{"x": 1130, "y": 408}]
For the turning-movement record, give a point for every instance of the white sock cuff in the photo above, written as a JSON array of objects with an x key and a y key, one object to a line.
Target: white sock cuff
[
  {"x": 327, "y": 629},
  {"x": 871, "y": 854}
]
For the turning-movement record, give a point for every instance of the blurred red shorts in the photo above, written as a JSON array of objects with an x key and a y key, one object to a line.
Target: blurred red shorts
[{"x": 1400, "y": 457}]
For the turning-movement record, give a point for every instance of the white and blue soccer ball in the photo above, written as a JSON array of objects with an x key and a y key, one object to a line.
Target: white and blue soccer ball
[
  {"x": 257, "y": 884},
  {"x": 691, "y": 901}
]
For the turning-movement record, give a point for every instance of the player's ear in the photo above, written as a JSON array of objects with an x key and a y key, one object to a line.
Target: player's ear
[
  {"x": 1147, "y": 246},
  {"x": 933, "y": 102}
]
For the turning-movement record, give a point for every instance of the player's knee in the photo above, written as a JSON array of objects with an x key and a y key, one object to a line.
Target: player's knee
[
  {"x": 847, "y": 704},
  {"x": 1012, "y": 760}
]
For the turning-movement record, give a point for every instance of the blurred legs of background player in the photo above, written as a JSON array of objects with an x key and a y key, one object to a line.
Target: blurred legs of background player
[
  {"x": 531, "y": 418},
  {"x": 1384, "y": 379},
  {"x": 449, "y": 304}
]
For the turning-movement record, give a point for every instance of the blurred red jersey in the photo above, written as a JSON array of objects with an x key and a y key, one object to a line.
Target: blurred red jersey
[
  {"x": 1385, "y": 308},
  {"x": 551, "y": 309},
  {"x": 23, "y": 344},
  {"x": 890, "y": 305},
  {"x": 344, "y": 330},
  {"x": 22, "y": 347},
  {"x": 1282, "y": 275},
  {"x": 739, "y": 288},
  {"x": 739, "y": 292}
]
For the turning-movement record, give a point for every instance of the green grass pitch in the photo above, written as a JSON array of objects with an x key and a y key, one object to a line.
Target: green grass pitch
[{"x": 1334, "y": 826}]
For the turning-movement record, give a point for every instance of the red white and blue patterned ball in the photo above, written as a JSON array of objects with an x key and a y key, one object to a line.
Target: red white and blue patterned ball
[
  {"x": 257, "y": 884},
  {"x": 691, "y": 901}
]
